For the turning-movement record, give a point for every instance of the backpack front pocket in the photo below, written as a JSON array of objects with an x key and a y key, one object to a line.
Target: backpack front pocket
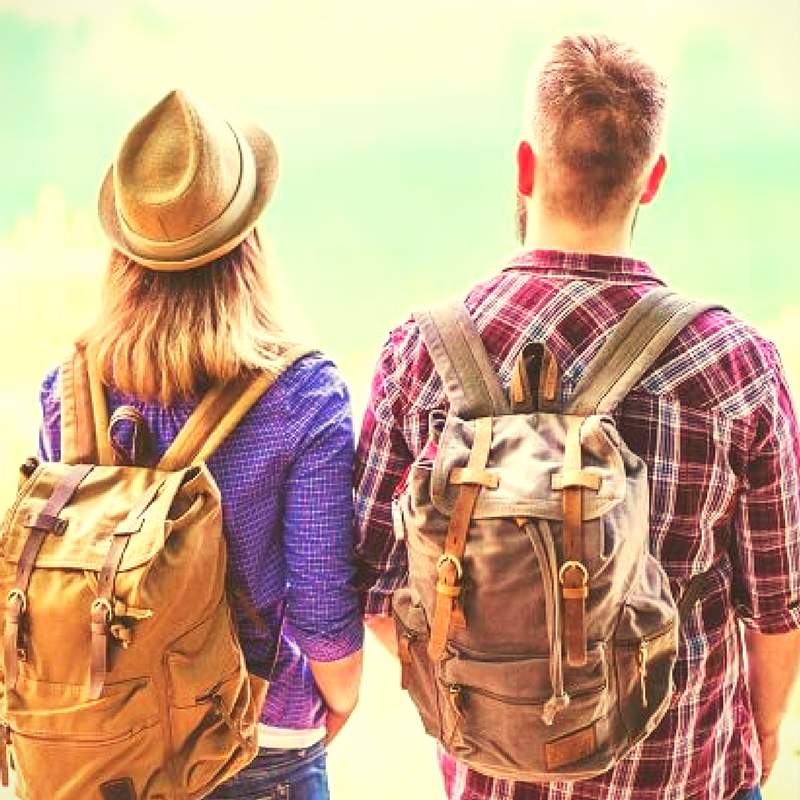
[
  {"x": 214, "y": 705},
  {"x": 68, "y": 746},
  {"x": 497, "y": 710},
  {"x": 417, "y": 670}
]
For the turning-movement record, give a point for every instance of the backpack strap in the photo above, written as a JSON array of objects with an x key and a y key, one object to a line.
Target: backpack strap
[
  {"x": 84, "y": 412},
  {"x": 220, "y": 411},
  {"x": 631, "y": 349},
  {"x": 470, "y": 381}
]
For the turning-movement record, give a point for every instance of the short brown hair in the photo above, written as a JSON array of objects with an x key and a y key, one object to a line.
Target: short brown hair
[{"x": 596, "y": 112}]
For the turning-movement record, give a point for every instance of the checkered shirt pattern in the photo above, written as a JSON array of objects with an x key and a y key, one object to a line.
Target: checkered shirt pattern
[
  {"x": 285, "y": 478},
  {"x": 714, "y": 423}
]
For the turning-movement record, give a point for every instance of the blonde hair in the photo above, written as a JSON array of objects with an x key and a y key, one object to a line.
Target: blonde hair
[
  {"x": 167, "y": 336},
  {"x": 596, "y": 110}
]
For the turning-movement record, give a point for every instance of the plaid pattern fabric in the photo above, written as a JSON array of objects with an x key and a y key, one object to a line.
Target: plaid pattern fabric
[
  {"x": 714, "y": 423},
  {"x": 285, "y": 478}
]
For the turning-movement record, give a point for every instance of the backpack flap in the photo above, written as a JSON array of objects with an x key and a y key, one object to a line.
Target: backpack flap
[
  {"x": 531, "y": 450},
  {"x": 144, "y": 502}
]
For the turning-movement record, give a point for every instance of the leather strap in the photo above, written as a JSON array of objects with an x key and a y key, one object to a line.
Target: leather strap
[
  {"x": 143, "y": 446},
  {"x": 102, "y": 613},
  {"x": 535, "y": 380},
  {"x": 448, "y": 610},
  {"x": 573, "y": 576},
  {"x": 218, "y": 413},
  {"x": 5, "y": 740},
  {"x": 16, "y": 602}
]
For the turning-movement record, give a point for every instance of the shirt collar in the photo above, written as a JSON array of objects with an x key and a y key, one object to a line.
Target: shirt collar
[{"x": 583, "y": 265}]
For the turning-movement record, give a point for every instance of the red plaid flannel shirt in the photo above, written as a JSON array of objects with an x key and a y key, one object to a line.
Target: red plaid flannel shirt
[{"x": 714, "y": 422}]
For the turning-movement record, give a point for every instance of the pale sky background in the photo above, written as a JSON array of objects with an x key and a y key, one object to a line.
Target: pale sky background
[{"x": 397, "y": 124}]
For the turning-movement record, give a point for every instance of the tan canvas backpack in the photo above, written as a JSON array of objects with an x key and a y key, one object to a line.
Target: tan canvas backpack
[
  {"x": 123, "y": 674},
  {"x": 537, "y": 633}
]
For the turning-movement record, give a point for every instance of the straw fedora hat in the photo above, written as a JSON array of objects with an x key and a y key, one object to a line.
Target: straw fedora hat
[{"x": 186, "y": 186}]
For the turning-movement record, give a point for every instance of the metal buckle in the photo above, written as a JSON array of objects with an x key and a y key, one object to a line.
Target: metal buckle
[
  {"x": 21, "y": 595},
  {"x": 443, "y": 559},
  {"x": 573, "y": 565},
  {"x": 102, "y": 603}
]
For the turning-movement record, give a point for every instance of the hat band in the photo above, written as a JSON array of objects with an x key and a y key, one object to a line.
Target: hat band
[{"x": 226, "y": 226}]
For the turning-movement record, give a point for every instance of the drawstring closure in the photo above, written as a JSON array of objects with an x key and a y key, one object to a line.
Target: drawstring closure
[{"x": 541, "y": 538}]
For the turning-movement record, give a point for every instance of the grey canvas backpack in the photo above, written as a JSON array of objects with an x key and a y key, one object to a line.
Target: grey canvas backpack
[{"x": 537, "y": 633}]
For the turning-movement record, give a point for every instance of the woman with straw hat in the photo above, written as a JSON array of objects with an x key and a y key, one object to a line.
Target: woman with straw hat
[{"x": 188, "y": 305}]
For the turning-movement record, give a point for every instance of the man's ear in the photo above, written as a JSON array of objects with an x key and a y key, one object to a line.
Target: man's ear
[
  {"x": 654, "y": 180},
  {"x": 525, "y": 167}
]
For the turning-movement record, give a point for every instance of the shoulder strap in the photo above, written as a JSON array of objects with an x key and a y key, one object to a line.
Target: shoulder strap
[
  {"x": 631, "y": 348},
  {"x": 219, "y": 412},
  {"x": 84, "y": 412},
  {"x": 460, "y": 358}
]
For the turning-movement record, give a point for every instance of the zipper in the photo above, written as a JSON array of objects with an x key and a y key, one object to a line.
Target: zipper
[
  {"x": 641, "y": 663},
  {"x": 218, "y": 704},
  {"x": 74, "y": 739},
  {"x": 458, "y": 650},
  {"x": 637, "y": 642},
  {"x": 457, "y": 690}
]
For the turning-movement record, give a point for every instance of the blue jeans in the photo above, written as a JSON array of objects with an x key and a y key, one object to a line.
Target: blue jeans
[
  {"x": 748, "y": 794},
  {"x": 279, "y": 775}
]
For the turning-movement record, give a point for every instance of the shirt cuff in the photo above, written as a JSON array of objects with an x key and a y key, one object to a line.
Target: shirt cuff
[
  {"x": 780, "y": 622},
  {"x": 378, "y": 604},
  {"x": 330, "y": 647}
]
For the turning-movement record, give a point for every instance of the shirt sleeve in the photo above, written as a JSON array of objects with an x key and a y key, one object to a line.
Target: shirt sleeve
[
  {"x": 382, "y": 459},
  {"x": 322, "y": 604},
  {"x": 766, "y": 537},
  {"x": 50, "y": 426}
]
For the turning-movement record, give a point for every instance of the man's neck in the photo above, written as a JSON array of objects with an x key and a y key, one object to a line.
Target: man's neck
[{"x": 548, "y": 232}]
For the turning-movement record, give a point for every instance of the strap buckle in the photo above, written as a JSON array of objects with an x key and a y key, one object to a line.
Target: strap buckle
[
  {"x": 101, "y": 604},
  {"x": 574, "y": 592},
  {"x": 19, "y": 594},
  {"x": 454, "y": 560}
]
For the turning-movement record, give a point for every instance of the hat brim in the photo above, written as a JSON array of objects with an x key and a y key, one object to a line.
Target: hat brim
[{"x": 265, "y": 155}]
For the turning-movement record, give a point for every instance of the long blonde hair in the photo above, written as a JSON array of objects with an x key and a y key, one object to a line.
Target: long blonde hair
[{"x": 167, "y": 336}]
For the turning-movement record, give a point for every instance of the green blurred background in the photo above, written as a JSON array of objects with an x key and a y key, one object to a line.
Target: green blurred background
[{"x": 396, "y": 124}]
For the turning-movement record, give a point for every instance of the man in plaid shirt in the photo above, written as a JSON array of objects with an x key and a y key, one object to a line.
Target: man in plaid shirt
[{"x": 712, "y": 419}]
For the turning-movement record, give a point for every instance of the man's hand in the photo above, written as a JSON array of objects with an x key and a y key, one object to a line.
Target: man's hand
[
  {"x": 770, "y": 745},
  {"x": 773, "y": 662}
]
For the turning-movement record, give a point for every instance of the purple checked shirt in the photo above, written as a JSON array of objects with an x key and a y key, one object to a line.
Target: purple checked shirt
[{"x": 285, "y": 478}]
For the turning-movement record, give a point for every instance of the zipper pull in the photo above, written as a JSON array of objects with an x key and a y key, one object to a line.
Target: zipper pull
[
  {"x": 641, "y": 660},
  {"x": 455, "y": 698}
]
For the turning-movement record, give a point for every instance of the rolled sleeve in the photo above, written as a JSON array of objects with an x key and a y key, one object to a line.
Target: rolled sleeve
[
  {"x": 50, "y": 428},
  {"x": 322, "y": 610},
  {"x": 382, "y": 459},
  {"x": 766, "y": 541}
]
